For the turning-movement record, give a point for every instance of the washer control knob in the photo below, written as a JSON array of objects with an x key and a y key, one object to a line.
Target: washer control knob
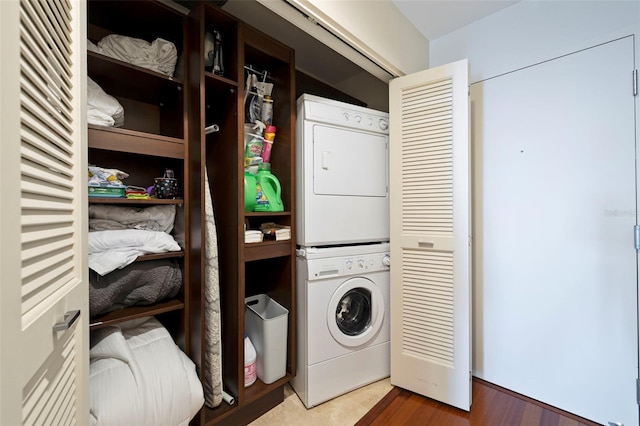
[
  {"x": 361, "y": 264},
  {"x": 370, "y": 122},
  {"x": 349, "y": 264},
  {"x": 386, "y": 260},
  {"x": 358, "y": 119},
  {"x": 383, "y": 124},
  {"x": 346, "y": 116}
]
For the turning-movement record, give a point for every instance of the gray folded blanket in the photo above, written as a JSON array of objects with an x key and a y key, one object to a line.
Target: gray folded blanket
[
  {"x": 105, "y": 217},
  {"x": 140, "y": 283}
]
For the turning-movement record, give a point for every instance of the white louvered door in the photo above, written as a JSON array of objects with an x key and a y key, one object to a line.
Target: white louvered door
[
  {"x": 430, "y": 234},
  {"x": 43, "y": 372}
]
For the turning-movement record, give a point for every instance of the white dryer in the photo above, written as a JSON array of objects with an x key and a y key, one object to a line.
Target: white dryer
[
  {"x": 342, "y": 320},
  {"x": 342, "y": 173}
]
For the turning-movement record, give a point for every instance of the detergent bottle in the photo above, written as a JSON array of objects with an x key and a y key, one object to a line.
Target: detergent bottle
[
  {"x": 267, "y": 190},
  {"x": 249, "y": 192},
  {"x": 250, "y": 365}
]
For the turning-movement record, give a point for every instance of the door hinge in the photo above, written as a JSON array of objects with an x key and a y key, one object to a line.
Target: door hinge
[
  {"x": 636, "y": 237},
  {"x": 635, "y": 82}
]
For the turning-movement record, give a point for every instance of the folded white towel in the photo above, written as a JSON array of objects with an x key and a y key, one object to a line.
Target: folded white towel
[{"x": 110, "y": 250}]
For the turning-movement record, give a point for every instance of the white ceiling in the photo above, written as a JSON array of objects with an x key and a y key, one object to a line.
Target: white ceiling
[{"x": 435, "y": 18}]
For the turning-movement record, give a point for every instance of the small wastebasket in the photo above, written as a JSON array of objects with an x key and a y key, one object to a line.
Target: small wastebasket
[{"x": 266, "y": 323}]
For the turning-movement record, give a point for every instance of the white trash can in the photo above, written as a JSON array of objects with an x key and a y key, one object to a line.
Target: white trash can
[{"x": 266, "y": 323}]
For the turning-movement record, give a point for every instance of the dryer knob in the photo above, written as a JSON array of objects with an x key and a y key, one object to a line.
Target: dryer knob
[
  {"x": 386, "y": 260},
  {"x": 383, "y": 124},
  {"x": 361, "y": 264},
  {"x": 346, "y": 116},
  {"x": 349, "y": 264}
]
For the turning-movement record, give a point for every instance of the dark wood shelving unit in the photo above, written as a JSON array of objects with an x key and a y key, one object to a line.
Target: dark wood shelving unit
[
  {"x": 165, "y": 118},
  {"x": 221, "y": 101},
  {"x": 154, "y": 137}
]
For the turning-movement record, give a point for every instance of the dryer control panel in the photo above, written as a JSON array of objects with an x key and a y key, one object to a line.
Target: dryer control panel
[
  {"x": 330, "y": 267},
  {"x": 342, "y": 114}
]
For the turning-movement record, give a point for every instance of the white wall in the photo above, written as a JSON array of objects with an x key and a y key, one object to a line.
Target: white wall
[{"x": 532, "y": 31}]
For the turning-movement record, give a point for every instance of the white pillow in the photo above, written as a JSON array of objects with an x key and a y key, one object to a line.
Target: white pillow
[
  {"x": 138, "y": 376},
  {"x": 103, "y": 109}
]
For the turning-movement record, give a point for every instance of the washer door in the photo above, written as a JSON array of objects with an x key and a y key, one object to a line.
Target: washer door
[{"x": 355, "y": 312}]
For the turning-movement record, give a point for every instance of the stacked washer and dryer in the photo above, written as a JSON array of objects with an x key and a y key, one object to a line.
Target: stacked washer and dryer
[{"x": 342, "y": 192}]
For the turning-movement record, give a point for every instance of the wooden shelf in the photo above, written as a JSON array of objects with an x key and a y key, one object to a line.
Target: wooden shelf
[
  {"x": 259, "y": 388},
  {"x": 218, "y": 414},
  {"x": 120, "y": 78},
  {"x": 267, "y": 214},
  {"x": 156, "y": 256},
  {"x": 267, "y": 250},
  {"x": 252, "y": 393},
  {"x": 150, "y": 201},
  {"x": 214, "y": 80},
  {"x": 134, "y": 312},
  {"x": 134, "y": 142}
]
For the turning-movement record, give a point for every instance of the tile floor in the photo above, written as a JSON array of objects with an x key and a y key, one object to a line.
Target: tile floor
[{"x": 344, "y": 410}]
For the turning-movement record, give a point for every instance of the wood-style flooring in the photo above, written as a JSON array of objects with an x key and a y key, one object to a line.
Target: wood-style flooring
[{"x": 491, "y": 406}]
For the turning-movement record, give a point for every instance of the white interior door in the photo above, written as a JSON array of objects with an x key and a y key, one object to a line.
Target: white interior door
[
  {"x": 43, "y": 359},
  {"x": 555, "y": 305},
  {"x": 430, "y": 234}
]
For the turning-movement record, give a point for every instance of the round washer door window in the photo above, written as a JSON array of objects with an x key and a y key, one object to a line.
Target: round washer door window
[{"x": 355, "y": 312}]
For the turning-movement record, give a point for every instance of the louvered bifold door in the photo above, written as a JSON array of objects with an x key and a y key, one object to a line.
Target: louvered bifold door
[
  {"x": 44, "y": 322},
  {"x": 430, "y": 234}
]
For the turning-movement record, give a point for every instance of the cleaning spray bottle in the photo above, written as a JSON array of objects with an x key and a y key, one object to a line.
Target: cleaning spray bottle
[
  {"x": 269, "y": 137},
  {"x": 267, "y": 190}
]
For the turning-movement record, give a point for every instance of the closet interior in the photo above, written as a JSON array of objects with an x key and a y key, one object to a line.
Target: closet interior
[
  {"x": 163, "y": 135},
  {"x": 151, "y": 139}
]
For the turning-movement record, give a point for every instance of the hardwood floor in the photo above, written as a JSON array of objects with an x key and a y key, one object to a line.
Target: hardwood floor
[{"x": 491, "y": 406}]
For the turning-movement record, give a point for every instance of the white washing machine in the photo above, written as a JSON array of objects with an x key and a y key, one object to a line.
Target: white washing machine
[{"x": 342, "y": 319}]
